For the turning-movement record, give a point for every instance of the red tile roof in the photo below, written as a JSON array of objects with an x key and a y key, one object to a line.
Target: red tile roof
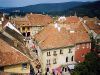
[
  {"x": 92, "y": 25},
  {"x": 33, "y": 20},
  {"x": 50, "y": 37},
  {"x": 72, "y": 19},
  {"x": 39, "y": 19},
  {"x": 9, "y": 55},
  {"x": 97, "y": 31},
  {"x": 21, "y": 21}
]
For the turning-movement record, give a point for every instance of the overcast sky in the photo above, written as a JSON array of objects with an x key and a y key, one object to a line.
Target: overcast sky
[{"x": 20, "y": 3}]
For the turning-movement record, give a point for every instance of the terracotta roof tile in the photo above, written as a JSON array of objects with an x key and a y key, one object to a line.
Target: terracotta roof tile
[
  {"x": 72, "y": 19},
  {"x": 92, "y": 25},
  {"x": 50, "y": 37},
  {"x": 9, "y": 55},
  {"x": 21, "y": 21},
  {"x": 39, "y": 19},
  {"x": 97, "y": 31},
  {"x": 33, "y": 20}
]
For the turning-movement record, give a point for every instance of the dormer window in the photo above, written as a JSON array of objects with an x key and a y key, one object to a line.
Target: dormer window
[{"x": 24, "y": 66}]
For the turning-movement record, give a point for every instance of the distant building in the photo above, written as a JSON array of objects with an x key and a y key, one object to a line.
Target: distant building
[
  {"x": 31, "y": 23},
  {"x": 92, "y": 25},
  {"x": 60, "y": 45}
]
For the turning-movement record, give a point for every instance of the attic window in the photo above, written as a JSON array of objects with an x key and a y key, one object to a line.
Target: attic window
[{"x": 24, "y": 65}]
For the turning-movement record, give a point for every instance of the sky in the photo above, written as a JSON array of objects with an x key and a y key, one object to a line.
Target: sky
[{"x": 21, "y": 3}]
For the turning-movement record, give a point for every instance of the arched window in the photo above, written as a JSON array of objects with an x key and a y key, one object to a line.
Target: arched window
[{"x": 28, "y": 34}]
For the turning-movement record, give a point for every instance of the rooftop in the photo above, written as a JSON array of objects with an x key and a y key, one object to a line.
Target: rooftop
[
  {"x": 33, "y": 20},
  {"x": 9, "y": 55},
  {"x": 72, "y": 19},
  {"x": 51, "y": 37}
]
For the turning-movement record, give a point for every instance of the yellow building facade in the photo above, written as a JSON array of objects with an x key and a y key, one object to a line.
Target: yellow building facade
[{"x": 20, "y": 68}]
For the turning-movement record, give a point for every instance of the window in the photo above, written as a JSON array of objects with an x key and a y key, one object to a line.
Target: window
[
  {"x": 47, "y": 69},
  {"x": 1, "y": 68},
  {"x": 48, "y": 62},
  {"x": 66, "y": 59},
  {"x": 24, "y": 65},
  {"x": 72, "y": 58},
  {"x": 69, "y": 51},
  {"x": 54, "y": 61},
  {"x": 23, "y": 28},
  {"x": 88, "y": 45},
  {"x": 61, "y": 52},
  {"x": 19, "y": 29},
  {"x": 83, "y": 46},
  {"x": 55, "y": 54},
  {"x": 48, "y": 53},
  {"x": 65, "y": 69},
  {"x": 28, "y": 34}
]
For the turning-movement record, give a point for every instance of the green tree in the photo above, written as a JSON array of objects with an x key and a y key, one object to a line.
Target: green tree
[{"x": 91, "y": 66}]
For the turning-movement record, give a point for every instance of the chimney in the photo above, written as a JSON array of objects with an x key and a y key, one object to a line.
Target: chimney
[
  {"x": 2, "y": 19},
  {"x": 59, "y": 28},
  {"x": 56, "y": 25},
  {"x": 0, "y": 22},
  {"x": 0, "y": 25}
]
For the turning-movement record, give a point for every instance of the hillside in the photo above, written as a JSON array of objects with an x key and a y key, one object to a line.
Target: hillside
[{"x": 56, "y": 9}]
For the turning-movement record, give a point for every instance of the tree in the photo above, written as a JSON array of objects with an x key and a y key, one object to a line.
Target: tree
[{"x": 91, "y": 66}]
